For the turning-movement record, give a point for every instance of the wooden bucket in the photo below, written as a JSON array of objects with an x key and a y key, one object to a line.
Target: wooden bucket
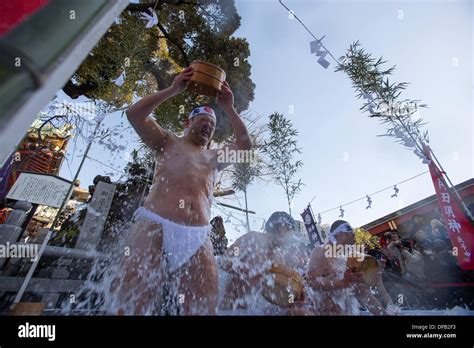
[
  {"x": 207, "y": 78},
  {"x": 368, "y": 266},
  {"x": 288, "y": 285},
  {"x": 27, "y": 308}
]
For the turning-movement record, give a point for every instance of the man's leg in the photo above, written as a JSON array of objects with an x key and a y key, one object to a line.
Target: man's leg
[
  {"x": 137, "y": 288},
  {"x": 199, "y": 283}
]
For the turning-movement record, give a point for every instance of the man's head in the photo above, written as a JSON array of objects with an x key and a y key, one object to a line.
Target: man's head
[
  {"x": 435, "y": 223},
  {"x": 407, "y": 245},
  {"x": 217, "y": 224},
  {"x": 280, "y": 222},
  {"x": 395, "y": 235},
  {"x": 200, "y": 125},
  {"x": 418, "y": 219},
  {"x": 420, "y": 236},
  {"x": 341, "y": 232},
  {"x": 218, "y": 228}
]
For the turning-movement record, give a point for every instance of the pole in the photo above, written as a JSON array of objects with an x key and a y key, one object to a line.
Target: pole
[
  {"x": 236, "y": 208},
  {"x": 29, "y": 275}
]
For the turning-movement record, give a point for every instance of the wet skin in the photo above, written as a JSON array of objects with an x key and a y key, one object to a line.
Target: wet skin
[
  {"x": 184, "y": 177},
  {"x": 256, "y": 252},
  {"x": 182, "y": 192},
  {"x": 326, "y": 275}
]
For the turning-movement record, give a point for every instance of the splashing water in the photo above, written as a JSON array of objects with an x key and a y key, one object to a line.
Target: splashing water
[{"x": 134, "y": 280}]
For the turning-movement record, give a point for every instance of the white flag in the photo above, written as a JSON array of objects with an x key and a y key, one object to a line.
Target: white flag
[{"x": 152, "y": 19}]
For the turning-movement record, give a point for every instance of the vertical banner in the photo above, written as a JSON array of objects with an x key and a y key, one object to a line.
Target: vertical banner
[
  {"x": 311, "y": 227},
  {"x": 460, "y": 230}
]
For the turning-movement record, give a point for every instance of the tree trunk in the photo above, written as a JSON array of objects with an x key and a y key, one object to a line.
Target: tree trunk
[
  {"x": 288, "y": 199},
  {"x": 246, "y": 211}
]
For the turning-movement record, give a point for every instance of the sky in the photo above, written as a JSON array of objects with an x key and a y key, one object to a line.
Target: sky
[{"x": 430, "y": 42}]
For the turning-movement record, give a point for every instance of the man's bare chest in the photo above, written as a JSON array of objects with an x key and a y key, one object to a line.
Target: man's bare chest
[{"x": 182, "y": 161}]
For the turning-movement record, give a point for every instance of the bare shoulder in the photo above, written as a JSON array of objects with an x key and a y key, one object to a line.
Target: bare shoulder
[
  {"x": 170, "y": 140},
  {"x": 250, "y": 238},
  {"x": 317, "y": 257}
]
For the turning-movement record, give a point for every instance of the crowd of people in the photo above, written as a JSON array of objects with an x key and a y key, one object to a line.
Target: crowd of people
[
  {"x": 419, "y": 261},
  {"x": 409, "y": 264}
]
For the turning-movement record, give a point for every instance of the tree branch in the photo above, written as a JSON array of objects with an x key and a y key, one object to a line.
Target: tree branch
[
  {"x": 49, "y": 120},
  {"x": 170, "y": 39},
  {"x": 155, "y": 71}
]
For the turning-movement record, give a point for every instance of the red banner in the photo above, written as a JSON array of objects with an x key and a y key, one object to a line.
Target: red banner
[
  {"x": 460, "y": 230},
  {"x": 12, "y": 13}
]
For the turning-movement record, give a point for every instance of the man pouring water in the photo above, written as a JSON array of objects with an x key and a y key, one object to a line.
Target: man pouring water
[{"x": 171, "y": 256}]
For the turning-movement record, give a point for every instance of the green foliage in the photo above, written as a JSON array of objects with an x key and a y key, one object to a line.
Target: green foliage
[
  {"x": 128, "y": 195},
  {"x": 363, "y": 237},
  {"x": 279, "y": 151},
  {"x": 244, "y": 173},
  {"x": 151, "y": 58},
  {"x": 70, "y": 224},
  {"x": 370, "y": 78}
]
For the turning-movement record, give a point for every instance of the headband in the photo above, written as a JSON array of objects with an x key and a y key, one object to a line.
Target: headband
[
  {"x": 202, "y": 110},
  {"x": 342, "y": 228}
]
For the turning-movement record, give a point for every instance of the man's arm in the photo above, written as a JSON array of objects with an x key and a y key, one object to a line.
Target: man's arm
[
  {"x": 152, "y": 134},
  {"x": 242, "y": 137},
  {"x": 317, "y": 277},
  {"x": 241, "y": 253}
]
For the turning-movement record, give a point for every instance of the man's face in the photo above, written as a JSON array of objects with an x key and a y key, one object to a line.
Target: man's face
[
  {"x": 347, "y": 238},
  {"x": 201, "y": 128}
]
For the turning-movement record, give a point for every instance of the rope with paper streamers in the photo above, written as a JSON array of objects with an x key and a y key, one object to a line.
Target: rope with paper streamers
[
  {"x": 315, "y": 45},
  {"x": 367, "y": 197},
  {"x": 404, "y": 132}
]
